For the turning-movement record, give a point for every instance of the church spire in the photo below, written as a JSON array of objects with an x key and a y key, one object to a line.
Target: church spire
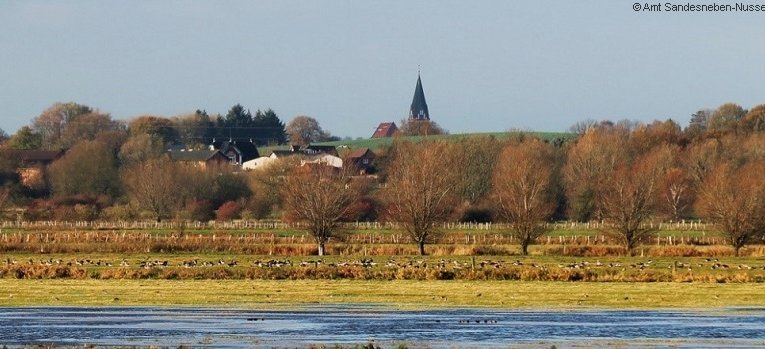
[{"x": 419, "y": 108}]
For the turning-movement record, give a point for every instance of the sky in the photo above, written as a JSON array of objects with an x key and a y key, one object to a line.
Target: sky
[{"x": 486, "y": 66}]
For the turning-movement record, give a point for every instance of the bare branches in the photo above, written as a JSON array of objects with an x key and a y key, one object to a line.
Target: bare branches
[
  {"x": 629, "y": 195},
  {"x": 321, "y": 196},
  {"x": 5, "y": 195},
  {"x": 422, "y": 187},
  {"x": 733, "y": 199},
  {"x": 155, "y": 186},
  {"x": 523, "y": 181}
]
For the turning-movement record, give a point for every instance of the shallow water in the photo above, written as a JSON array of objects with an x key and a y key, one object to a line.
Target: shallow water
[{"x": 360, "y": 324}]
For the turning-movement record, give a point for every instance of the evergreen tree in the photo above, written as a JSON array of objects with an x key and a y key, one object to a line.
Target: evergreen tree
[{"x": 269, "y": 128}]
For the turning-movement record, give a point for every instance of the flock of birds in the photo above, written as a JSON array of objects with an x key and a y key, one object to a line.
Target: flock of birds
[{"x": 146, "y": 263}]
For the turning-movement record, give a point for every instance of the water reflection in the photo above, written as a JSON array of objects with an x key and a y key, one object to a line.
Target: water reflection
[{"x": 358, "y": 325}]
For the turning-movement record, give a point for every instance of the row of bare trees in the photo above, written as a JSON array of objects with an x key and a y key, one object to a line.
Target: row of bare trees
[
  {"x": 612, "y": 173},
  {"x": 624, "y": 173}
]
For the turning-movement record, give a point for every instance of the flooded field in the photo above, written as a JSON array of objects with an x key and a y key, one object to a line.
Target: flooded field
[{"x": 349, "y": 325}]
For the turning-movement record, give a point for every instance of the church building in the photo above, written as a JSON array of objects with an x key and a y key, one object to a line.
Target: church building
[{"x": 417, "y": 111}]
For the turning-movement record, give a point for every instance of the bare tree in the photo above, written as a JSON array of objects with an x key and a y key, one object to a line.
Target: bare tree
[
  {"x": 523, "y": 182},
  {"x": 581, "y": 127},
  {"x": 754, "y": 120},
  {"x": 629, "y": 194},
  {"x": 479, "y": 157},
  {"x": 140, "y": 148},
  {"x": 725, "y": 119},
  {"x": 320, "y": 196},
  {"x": 589, "y": 160},
  {"x": 303, "y": 130},
  {"x": 413, "y": 127},
  {"x": 732, "y": 198},
  {"x": 702, "y": 157},
  {"x": 676, "y": 192},
  {"x": 5, "y": 196},
  {"x": 52, "y": 123},
  {"x": 88, "y": 168},
  {"x": 154, "y": 185},
  {"x": 423, "y": 187}
]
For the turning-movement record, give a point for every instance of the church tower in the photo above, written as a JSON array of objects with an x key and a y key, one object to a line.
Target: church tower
[{"x": 419, "y": 108}]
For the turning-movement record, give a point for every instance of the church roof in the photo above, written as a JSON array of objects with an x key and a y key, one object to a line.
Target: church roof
[{"x": 419, "y": 108}]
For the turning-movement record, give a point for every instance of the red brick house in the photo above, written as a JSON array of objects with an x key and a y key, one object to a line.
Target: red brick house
[{"x": 385, "y": 130}]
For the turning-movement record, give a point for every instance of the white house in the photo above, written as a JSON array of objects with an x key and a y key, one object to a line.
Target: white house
[
  {"x": 326, "y": 159},
  {"x": 260, "y": 162}
]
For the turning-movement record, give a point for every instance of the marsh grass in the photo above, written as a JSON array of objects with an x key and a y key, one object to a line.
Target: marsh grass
[
  {"x": 221, "y": 266},
  {"x": 290, "y": 243},
  {"x": 396, "y": 294}
]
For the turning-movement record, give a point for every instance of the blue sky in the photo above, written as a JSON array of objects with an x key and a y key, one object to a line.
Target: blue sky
[{"x": 486, "y": 65}]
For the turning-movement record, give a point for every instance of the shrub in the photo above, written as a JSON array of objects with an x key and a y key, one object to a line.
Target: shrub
[
  {"x": 486, "y": 250},
  {"x": 84, "y": 212},
  {"x": 365, "y": 209},
  {"x": 228, "y": 211},
  {"x": 476, "y": 214},
  {"x": 39, "y": 210},
  {"x": 120, "y": 213},
  {"x": 199, "y": 210},
  {"x": 585, "y": 251}
]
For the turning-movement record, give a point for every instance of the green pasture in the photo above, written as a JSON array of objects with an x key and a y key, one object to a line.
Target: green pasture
[{"x": 373, "y": 143}]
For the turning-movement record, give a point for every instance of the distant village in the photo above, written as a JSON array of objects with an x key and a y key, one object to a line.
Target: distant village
[{"x": 34, "y": 154}]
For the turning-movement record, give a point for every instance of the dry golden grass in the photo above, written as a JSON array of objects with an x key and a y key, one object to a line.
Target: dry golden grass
[{"x": 401, "y": 293}]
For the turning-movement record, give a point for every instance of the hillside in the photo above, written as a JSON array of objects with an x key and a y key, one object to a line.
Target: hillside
[{"x": 374, "y": 143}]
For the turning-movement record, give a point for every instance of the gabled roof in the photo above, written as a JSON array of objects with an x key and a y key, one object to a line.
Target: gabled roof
[
  {"x": 306, "y": 151},
  {"x": 419, "y": 108},
  {"x": 247, "y": 150},
  {"x": 320, "y": 149},
  {"x": 193, "y": 155},
  {"x": 385, "y": 129},
  {"x": 360, "y": 153},
  {"x": 34, "y": 155},
  {"x": 284, "y": 153}
]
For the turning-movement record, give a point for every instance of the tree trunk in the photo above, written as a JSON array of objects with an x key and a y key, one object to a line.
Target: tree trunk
[
  {"x": 631, "y": 244},
  {"x": 422, "y": 247},
  {"x": 321, "y": 249},
  {"x": 525, "y": 248}
]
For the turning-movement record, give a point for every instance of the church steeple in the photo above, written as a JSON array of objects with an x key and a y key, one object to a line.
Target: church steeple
[{"x": 419, "y": 108}]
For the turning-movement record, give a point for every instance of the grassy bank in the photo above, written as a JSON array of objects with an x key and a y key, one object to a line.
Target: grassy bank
[
  {"x": 396, "y": 294},
  {"x": 366, "y": 243},
  {"x": 155, "y": 266}
]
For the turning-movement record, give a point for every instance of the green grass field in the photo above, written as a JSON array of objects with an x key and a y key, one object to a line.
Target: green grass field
[{"x": 373, "y": 143}]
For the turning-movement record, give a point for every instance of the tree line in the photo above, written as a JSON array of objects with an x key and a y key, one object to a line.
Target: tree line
[{"x": 624, "y": 173}]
